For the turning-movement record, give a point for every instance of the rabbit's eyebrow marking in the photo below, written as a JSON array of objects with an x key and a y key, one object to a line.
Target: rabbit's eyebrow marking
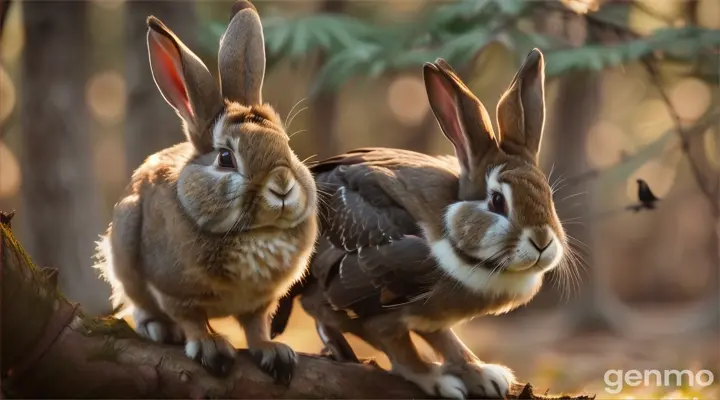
[
  {"x": 219, "y": 126},
  {"x": 250, "y": 116}
]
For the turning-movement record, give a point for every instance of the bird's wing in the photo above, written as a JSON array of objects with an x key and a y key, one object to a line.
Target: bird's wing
[
  {"x": 372, "y": 254},
  {"x": 645, "y": 194}
]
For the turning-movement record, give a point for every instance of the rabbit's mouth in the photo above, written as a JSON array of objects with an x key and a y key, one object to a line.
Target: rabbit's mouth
[{"x": 493, "y": 263}]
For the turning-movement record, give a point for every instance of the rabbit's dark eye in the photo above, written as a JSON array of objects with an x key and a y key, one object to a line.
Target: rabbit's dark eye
[
  {"x": 497, "y": 203},
  {"x": 226, "y": 159}
]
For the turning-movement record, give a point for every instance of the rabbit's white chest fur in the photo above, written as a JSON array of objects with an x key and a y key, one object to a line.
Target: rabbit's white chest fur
[
  {"x": 259, "y": 259},
  {"x": 258, "y": 271}
]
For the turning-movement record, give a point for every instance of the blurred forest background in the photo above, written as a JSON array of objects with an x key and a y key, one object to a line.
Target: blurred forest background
[{"x": 632, "y": 93}]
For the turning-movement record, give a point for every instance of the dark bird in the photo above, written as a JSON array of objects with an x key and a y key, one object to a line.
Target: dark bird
[{"x": 646, "y": 198}]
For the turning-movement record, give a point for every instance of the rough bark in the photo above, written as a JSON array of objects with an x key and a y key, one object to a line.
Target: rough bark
[
  {"x": 151, "y": 125},
  {"x": 51, "y": 349},
  {"x": 59, "y": 189}
]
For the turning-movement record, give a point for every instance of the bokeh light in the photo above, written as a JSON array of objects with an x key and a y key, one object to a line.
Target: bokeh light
[
  {"x": 109, "y": 159},
  {"x": 405, "y": 6},
  {"x": 407, "y": 99},
  {"x": 13, "y": 38},
  {"x": 581, "y": 6},
  {"x": 650, "y": 121},
  {"x": 7, "y": 95},
  {"x": 109, "y": 4},
  {"x": 708, "y": 14},
  {"x": 606, "y": 144},
  {"x": 660, "y": 12},
  {"x": 690, "y": 97},
  {"x": 658, "y": 175},
  {"x": 622, "y": 91},
  {"x": 105, "y": 95},
  {"x": 10, "y": 177}
]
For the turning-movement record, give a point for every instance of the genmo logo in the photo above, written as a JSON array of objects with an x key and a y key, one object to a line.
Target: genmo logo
[{"x": 617, "y": 379}]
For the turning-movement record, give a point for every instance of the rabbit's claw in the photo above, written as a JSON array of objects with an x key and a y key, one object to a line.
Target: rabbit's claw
[
  {"x": 215, "y": 353},
  {"x": 276, "y": 359}
]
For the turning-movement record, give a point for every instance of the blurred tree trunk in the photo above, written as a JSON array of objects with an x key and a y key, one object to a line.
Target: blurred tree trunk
[
  {"x": 419, "y": 138},
  {"x": 576, "y": 111},
  {"x": 59, "y": 189},
  {"x": 323, "y": 107},
  {"x": 151, "y": 123}
]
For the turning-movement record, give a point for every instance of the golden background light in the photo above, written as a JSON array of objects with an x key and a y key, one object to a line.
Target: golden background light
[
  {"x": 7, "y": 95},
  {"x": 109, "y": 159},
  {"x": 691, "y": 98},
  {"x": 407, "y": 99},
  {"x": 708, "y": 14},
  {"x": 13, "y": 38},
  {"x": 109, "y": 4},
  {"x": 651, "y": 15},
  {"x": 582, "y": 6},
  {"x": 105, "y": 95},
  {"x": 606, "y": 143},
  {"x": 649, "y": 121},
  {"x": 406, "y": 6},
  {"x": 10, "y": 177},
  {"x": 621, "y": 92}
]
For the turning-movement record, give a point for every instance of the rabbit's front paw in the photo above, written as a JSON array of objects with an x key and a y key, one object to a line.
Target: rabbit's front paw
[
  {"x": 435, "y": 382},
  {"x": 490, "y": 381},
  {"x": 214, "y": 352},
  {"x": 276, "y": 359},
  {"x": 157, "y": 329}
]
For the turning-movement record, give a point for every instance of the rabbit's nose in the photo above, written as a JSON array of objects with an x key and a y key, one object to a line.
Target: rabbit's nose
[
  {"x": 281, "y": 192},
  {"x": 541, "y": 239},
  {"x": 281, "y": 188}
]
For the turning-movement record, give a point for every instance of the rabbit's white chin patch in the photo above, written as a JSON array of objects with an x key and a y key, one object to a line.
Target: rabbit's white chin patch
[{"x": 519, "y": 285}]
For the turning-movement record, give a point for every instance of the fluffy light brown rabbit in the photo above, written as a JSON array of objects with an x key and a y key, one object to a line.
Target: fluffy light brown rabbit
[
  {"x": 223, "y": 224},
  {"x": 415, "y": 243}
]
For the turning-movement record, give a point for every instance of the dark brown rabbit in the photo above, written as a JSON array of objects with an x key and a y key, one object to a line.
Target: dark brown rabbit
[
  {"x": 222, "y": 224},
  {"x": 415, "y": 243}
]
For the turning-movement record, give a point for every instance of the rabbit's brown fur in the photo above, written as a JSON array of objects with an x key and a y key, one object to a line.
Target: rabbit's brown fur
[
  {"x": 221, "y": 225},
  {"x": 415, "y": 243}
]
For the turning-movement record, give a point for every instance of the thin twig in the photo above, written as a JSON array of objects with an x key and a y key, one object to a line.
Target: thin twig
[
  {"x": 595, "y": 173},
  {"x": 703, "y": 181},
  {"x": 4, "y": 11}
]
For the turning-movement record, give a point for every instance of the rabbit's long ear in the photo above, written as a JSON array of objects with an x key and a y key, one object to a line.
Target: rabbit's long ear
[
  {"x": 184, "y": 81},
  {"x": 241, "y": 58},
  {"x": 521, "y": 110},
  {"x": 461, "y": 116}
]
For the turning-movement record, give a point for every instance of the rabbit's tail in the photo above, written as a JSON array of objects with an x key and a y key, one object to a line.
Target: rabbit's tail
[
  {"x": 285, "y": 305},
  {"x": 104, "y": 264}
]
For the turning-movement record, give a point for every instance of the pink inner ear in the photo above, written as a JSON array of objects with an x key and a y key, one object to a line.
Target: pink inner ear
[
  {"x": 445, "y": 104},
  {"x": 173, "y": 85}
]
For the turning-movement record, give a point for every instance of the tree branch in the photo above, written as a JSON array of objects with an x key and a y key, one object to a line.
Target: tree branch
[
  {"x": 52, "y": 349},
  {"x": 699, "y": 164},
  {"x": 696, "y": 130}
]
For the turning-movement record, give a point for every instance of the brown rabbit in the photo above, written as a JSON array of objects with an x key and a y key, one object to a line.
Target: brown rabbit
[
  {"x": 222, "y": 224},
  {"x": 414, "y": 243}
]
